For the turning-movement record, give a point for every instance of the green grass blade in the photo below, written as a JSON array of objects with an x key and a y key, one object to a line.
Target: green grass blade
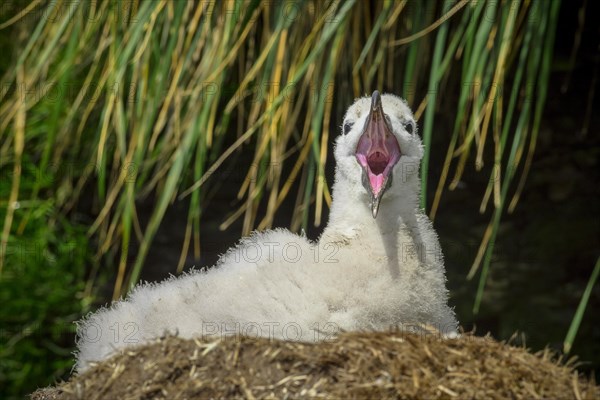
[
  {"x": 436, "y": 73},
  {"x": 574, "y": 327},
  {"x": 373, "y": 35}
]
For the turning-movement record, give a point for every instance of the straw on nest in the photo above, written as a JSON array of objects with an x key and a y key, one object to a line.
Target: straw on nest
[{"x": 355, "y": 365}]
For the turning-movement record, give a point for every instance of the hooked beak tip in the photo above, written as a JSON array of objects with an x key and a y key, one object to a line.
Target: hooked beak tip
[
  {"x": 375, "y": 207},
  {"x": 375, "y": 101}
]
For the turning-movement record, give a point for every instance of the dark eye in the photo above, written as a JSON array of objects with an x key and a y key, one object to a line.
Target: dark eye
[
  {"x": 387, "y": 118},
  {"x": 410, "y": 127},
  {"x": 347, "y": 127}
]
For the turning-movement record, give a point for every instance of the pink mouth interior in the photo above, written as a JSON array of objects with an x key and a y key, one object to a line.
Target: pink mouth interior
[{"x": 377, "y": 152}]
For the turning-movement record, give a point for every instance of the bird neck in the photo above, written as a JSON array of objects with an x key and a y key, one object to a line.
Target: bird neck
[
  {"x": 397, "y": 235},
  {"x": 350, "y": 213}
]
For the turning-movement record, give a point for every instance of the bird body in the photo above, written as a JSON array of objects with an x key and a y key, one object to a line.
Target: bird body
[{"x": 377, "y": 264}]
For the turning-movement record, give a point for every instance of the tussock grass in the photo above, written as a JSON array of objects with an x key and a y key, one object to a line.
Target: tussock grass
[
  {"x": 383, "y": 365},
  {"x": 149, "y": 98}
]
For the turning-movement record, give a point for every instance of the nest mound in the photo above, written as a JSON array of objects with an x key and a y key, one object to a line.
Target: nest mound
[{"x": 354, "y": 365}]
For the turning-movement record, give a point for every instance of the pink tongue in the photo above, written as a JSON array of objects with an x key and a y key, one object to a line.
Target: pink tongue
[
  {"x": 376, "y": 182},
  {"x": 377, "y": 152},
  {"x": 376, "y": 177},
  {"x": 377, "y": 164}
]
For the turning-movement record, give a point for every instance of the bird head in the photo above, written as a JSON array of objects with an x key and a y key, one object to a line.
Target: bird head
[{"x": 379, "y": 148}]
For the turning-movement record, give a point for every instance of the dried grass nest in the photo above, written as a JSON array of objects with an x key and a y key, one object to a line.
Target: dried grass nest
[{"x": 354, "y": 365}]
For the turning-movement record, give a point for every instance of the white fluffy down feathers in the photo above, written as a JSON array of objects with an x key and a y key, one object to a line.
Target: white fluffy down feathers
[{"x": 362, "y": 274}]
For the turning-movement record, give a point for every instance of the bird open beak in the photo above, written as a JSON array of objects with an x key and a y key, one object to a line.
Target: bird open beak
[{"x": 377, "y": 152}]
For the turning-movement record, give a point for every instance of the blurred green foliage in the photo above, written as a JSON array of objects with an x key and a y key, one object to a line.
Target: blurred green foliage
[{"x": 42, "y": 293}]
